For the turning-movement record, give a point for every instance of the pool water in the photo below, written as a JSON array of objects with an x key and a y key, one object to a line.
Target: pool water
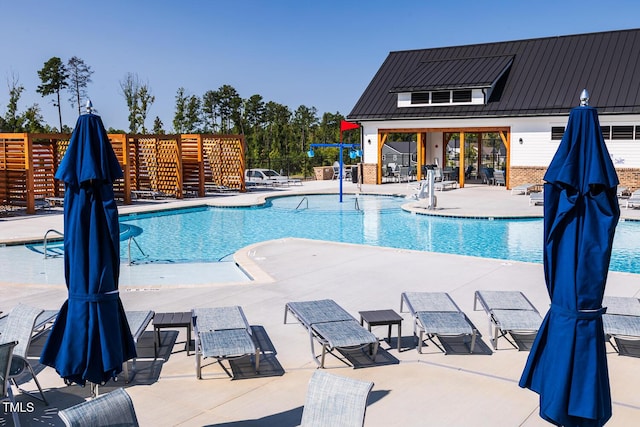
[{"x": 213, "y": 234}]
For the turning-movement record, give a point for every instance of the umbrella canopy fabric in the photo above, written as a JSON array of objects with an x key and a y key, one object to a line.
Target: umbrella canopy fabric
[
  {"x": 91, "y": 338},
  {"x": 567, "y": 365}
]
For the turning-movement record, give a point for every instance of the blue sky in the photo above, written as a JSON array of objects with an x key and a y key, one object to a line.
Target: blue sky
[{"x": 314, "y": 53}]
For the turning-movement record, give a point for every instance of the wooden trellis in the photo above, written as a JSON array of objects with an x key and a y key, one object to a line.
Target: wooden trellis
[{"x": 173, "y": 165}]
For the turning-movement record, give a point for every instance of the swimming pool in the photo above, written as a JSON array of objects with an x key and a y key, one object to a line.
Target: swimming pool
[{"x": 212, "y": 234}]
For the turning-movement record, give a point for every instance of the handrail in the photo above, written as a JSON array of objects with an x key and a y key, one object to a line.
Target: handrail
[
  {"x": 46, "y": 238},
  {"x": 129, "y": 248},
  {"x": 357, "y": 207},
  {"x": 303, "y": 199}
]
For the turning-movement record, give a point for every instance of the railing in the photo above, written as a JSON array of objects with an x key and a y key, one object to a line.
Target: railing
[
  {"x": 304, "y": 199},
  {"x": 357, "y": 206},
  {"x": 133, "y": 239},
  {"x": 46, "y": 238}
]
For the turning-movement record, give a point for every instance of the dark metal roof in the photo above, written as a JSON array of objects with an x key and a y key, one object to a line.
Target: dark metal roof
[
  {"x": 458, "y": 73},
  {"x": 546, "y": 77}
]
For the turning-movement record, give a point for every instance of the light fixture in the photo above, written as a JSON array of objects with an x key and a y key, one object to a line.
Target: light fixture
[
  {"x": 521, "y": 141},
  {"x": 369, "y": 141},
  {"x": 352, "y": 154},
  {"x": 310, "y": 153}
]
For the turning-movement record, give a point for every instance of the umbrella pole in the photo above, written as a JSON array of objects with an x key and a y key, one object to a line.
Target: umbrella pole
[{"x": 94, "y": 390}]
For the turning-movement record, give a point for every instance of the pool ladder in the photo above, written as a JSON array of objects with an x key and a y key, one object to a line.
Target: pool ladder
[
  {"x": 304, "y": 199},
  {"x": 59, "y": 234}
]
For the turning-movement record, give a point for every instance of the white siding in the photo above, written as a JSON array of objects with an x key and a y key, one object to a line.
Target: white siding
[{"x": 537, "y": 148}]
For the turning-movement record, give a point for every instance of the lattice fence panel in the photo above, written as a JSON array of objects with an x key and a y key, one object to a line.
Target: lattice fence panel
[
  {"x": 147, "y": 164},
  {"x": 169, "y": 169},
  {"x": 44, "y": 168},
  {"x": 191, "y": 163},
  {"x": 225, "y": 154},
  {"x": 12, "y": 162}
]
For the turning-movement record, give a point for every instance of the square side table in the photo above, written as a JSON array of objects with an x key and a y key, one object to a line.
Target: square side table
[
  {"x": 173, "y": 320},
  {"x": 382, "y": 318}
]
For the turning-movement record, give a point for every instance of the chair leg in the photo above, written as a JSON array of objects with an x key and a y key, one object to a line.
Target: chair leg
[
  {"x": 14, "y": 414},
  {"x": 35, "y": 379}
]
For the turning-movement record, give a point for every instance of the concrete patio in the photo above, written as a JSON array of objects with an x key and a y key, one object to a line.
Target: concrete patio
[{"x": 458, "y": 389}]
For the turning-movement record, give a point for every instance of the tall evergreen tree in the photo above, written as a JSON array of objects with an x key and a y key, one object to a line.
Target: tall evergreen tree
[
  {"x": 130, "y": 90},
  {"x": 79, "y": 77},
  {"x": 12, "y": 120},
  {"x": 54, "y": 78},
  {"x": 146, "y": 99}
]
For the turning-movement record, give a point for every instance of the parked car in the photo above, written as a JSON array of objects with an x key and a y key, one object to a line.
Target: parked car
[{"x": 264, "y": 177}]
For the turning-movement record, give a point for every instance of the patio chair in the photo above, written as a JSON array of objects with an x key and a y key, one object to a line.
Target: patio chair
[
  {"x": 112, "y": 409},
  {"x": 498, "y": 178},
  {"x": 6, "y": 355},
  {"x": 334, "y": 400},
  {"x": 19, "y": 326},
  {"x": 621, "y": 321},
  {"x": 332, "y": 327},
  {"x": 435, "y": 314},
  {"x": 509, "y": 312},
  {"x": 223, "y": 333}
]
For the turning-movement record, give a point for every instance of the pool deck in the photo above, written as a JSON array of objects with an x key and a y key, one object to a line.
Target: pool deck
[{"x": 458, "y": 389}]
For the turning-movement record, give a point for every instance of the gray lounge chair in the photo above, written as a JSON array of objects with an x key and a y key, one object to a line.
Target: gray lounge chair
[
  {"x": 621, "y": 321},
  {"x": 334, "y": 400},
  {"x": 223, "y": 333},
  {"x": 19, "y": 326},
  {"x": 435, "y": 314},
  {"x": 633, "y": 200},
  {"x": 6, "y": 355},
  {"x": 509, "y": 312},
  {"x": 522, "y": 189},
  {"x": 332, "y": 327},
  {"x": 536, "y": 198},
  {"x": 138, "y": 322},
  {"x": 111, "y": 409}
]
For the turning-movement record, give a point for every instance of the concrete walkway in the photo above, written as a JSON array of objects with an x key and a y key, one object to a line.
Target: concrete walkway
[{"x": 458, "y": 389}]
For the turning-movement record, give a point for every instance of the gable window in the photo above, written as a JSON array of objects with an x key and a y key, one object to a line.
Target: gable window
[
  {"x": 420, "y": 98},
  {"x": 606, "y": 132},
  {"x": 621, "y": 132},
  {"x": 557, "y": 132},
  {"x": 461, "y": 96},
  {"x": 441, "y": 97}
]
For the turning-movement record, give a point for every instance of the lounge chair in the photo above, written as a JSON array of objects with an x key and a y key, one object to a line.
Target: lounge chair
[
  {"x": 223, "y": 333},
  {"x": 633, "y": 200},
  {"x": 522, "y": 189},
  {"x": 138, "y": 322},
  {"x": 111, "y": 409},
  {"x": 536, "y": 198},
  {"x": 332, "y": 327},
  {"x": 621, "y": 321},
  {"x": 334, "y": 400},
  {"x": 19, "y": 326},
  {"x": 435, "y": 314},
  {"x": 6, "y": 355},
  {"x": 498, "y": 178},
  {"x": 509, "y": 312}
]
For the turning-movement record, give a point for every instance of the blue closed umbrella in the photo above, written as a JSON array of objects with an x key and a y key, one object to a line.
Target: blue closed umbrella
[
  {"x": 91, "y": 338},
  {"x": 567, "y": 365}
]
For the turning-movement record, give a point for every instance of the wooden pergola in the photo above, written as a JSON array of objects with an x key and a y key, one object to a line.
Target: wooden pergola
[{"x": 171, "y": 165}]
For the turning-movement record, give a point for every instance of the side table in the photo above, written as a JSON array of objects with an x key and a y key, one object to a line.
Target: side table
[
  {"x": 173, "y": 320},
  {"x": 381, "y": 318}
]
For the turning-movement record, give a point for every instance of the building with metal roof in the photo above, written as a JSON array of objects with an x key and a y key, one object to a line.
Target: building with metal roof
[{"x": 461, "y": 104}]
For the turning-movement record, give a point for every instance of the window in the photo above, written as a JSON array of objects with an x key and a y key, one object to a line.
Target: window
[
  {"x": 606, "y": 132},
  {"x": 461, "y": 96},
  {"x": 622, "y": 132},
  {"x": 557, "y": 132},
  {"x": 442, "y": 97},
  {"x": 420, "y": 98},
  {"x": 637, "y": 132}
]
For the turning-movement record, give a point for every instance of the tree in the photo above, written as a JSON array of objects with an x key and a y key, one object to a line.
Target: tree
[
  {"x": 53, "y": 76},
  {"x": 79, "y": 76},
  {"x": 210, "y": 110},
  {"x": 12, "y": 120},
  {"x": 32, "y": 120},
  {"x": 130, "y": 89},
  {"x": 157, "y": 126},
  {"x": 146, "y": 99},
  {"x": 187, "y": 115}
]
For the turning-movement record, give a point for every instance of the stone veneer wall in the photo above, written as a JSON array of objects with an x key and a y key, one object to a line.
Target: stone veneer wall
[
  {"x": 370, "y": 173},
  {"x": 628, "y": 177}
]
